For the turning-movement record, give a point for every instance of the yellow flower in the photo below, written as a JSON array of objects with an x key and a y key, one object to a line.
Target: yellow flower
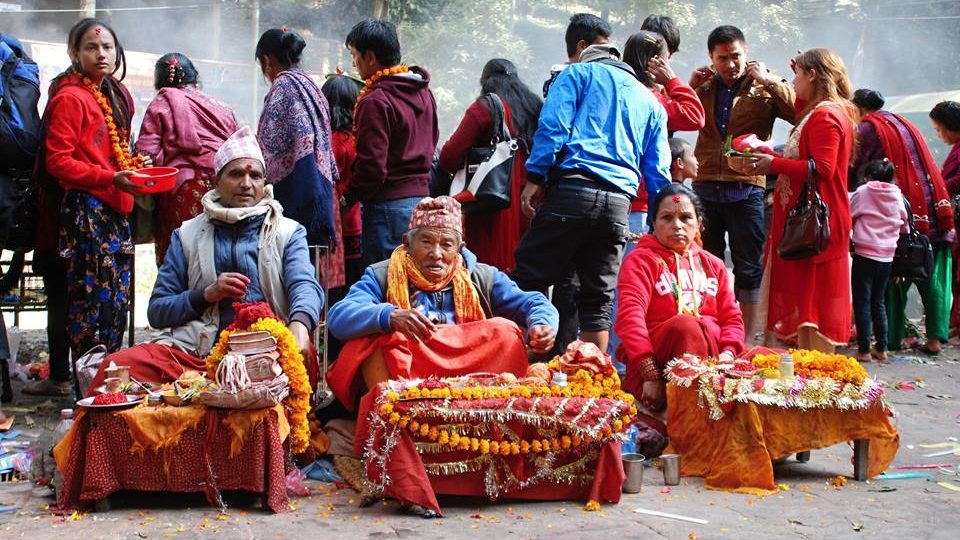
[
  {"x": 484, "y": 446},
  {"x": 386, "y": 409},
  {"x": 494, "y": 447},
  {"x": 592, "y": 506},
  {"x": 393, "y": 396},
  {"x": 394, "y": 418}
]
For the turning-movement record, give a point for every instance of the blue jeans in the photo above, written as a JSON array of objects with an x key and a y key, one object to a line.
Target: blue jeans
[
  {"x": 580, "y": 228},
  {"x": 868, "y": 283},
  {"x": 4, "y": 344},
  {"x": 743, "y": 221},
  {"x": 384, "y": 224}
]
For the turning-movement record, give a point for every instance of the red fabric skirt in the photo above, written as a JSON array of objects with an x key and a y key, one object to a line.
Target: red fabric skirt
[
  {"x": 492, "y": 345},
  {"x": 149, "y": 362},
  {"x": 175, "y": 207},
  {"x": 678, "y": 335}
]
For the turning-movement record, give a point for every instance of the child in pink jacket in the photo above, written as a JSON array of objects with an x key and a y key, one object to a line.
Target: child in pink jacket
[{"x": 879, "y": 215}]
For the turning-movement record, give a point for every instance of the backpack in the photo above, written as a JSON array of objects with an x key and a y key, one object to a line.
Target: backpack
[
  {"x": 19, "y": 94},
  {"x": 19, "y": 142}
]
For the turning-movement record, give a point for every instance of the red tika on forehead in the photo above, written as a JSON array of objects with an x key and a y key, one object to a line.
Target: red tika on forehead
[
  {"x": 676, "y": 198},
  {"x": 98, "y": 30},
  {"x": 248, "y": 167}
]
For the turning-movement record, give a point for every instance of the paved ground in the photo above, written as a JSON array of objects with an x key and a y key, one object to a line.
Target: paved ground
[{"x": 810, "y": 508}]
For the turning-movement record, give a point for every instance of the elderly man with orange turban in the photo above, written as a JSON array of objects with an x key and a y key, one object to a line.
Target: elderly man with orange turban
[{"x": 432, "y": 309}]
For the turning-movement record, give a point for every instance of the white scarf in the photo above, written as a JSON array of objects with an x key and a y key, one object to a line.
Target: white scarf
[{"x": 214, "y": 210}]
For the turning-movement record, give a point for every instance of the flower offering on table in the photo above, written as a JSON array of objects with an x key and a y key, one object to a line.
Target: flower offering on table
[
  {"x": 821, "y": 381},
  {"x": 499, "y": 436},
  {"x": 729, "y": 420}
]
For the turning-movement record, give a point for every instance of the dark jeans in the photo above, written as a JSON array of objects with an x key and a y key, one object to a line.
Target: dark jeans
[
  {"x": 54, "y": 271},
  {"x": 743, "y": 221},
  {"x": 564, "y": 298},
  {"x": 580, "y": 228},
  {"x": 868, "y": 282},
  {"x": 384, "y": 224}
]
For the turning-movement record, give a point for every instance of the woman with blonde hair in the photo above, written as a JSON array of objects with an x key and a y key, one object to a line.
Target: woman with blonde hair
[{"x": 808, "y": 300}]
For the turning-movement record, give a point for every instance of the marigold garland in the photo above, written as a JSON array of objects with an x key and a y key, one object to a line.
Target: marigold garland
[
  {"x": 291, "y": 361},
  {"x": 367, "y": 84},
  {"x": 121, "y": 145},
  {"x": 815, "y": 365}
]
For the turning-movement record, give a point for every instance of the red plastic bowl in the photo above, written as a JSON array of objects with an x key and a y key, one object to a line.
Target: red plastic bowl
[{"x": 155, "y": 179}]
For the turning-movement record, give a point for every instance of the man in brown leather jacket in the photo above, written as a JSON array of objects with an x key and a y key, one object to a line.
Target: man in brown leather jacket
[{"x": 738, "y": 97}]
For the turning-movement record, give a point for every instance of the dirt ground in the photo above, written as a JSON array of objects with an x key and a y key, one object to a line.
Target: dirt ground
[{"x": 810, "y": 508}]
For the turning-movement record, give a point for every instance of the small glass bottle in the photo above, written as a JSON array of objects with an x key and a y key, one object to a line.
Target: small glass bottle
[
  {"x": 786, "y": 365},
  {"x": 559, "y": 379}
]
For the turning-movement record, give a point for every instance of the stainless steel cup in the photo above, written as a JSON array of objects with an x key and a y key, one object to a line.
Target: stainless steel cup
[
  {"x": 633, "y": 468},
  {"x": 671, "y": 469}
]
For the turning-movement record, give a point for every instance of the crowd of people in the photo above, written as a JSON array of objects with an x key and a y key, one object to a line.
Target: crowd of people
[{"x": 422, "y": 285}]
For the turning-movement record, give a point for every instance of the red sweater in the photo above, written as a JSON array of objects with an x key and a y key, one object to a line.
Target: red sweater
[
  {"x": 647, "y": 297},
  {"x": 684, "y": 113},
  {"x": 79, "y": 151}
]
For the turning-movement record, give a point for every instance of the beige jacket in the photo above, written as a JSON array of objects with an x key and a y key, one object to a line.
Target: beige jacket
[{"x": 755, "y": 108}]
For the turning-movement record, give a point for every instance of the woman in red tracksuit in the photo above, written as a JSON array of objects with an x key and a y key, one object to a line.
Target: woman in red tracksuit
[{"x": 675, "y": 298}]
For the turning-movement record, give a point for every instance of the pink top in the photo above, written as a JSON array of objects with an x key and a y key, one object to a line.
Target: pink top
[
  {"x": 879, "y": 217},
  {"x": 183, "y": 128}
]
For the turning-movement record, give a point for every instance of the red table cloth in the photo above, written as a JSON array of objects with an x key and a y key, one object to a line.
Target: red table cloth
[
  {"x": 98, "y": 459},
  {"x": 414, "y": 468}
]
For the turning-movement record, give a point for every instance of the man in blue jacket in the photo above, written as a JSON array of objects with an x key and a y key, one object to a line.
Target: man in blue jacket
[
  {"x": 240, "y": 248},
  {"x": 432, "y": 309},
  {"x": 600, "y": 130}
]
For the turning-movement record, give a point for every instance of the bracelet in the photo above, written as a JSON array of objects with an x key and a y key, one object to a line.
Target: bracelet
[{"x": 649, "y": 370}]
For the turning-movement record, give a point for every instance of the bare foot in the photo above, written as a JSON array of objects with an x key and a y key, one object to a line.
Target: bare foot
[
  {"x": 880, "y": 356},
  {"x": 864, "y": 357},
  {"x": 932, "y": 347}
]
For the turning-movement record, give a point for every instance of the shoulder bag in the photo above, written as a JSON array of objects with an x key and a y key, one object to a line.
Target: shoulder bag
[
  {"x": 807, "y": 228},
  {"x": 483, "y": 183},
  {"x": 914, "y": 256}
]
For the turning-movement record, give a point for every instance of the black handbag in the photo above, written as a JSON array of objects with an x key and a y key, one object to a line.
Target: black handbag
[
  {"x": 914, "y": 256},
  {"x": 806, "y": 231},
  {"x": 483, "y": 184}
]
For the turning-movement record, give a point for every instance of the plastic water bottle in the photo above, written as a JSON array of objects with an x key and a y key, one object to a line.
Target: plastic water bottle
[{"x": 66, "y": 422}]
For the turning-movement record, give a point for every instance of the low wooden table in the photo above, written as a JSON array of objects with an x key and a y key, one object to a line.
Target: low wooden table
[
  {"x": 100, "y": 456},
  {"x": 736, "y": 452}
]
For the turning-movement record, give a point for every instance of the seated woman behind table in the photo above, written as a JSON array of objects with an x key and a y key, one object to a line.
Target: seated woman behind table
[
  {"x": 240, "y": 248},
  {"x": 432, "y": 309},
  {"x": 675, "y": 298}
]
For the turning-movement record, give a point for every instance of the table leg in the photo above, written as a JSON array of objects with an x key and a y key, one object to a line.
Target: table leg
[
  {"x": 861, "y": 458},
  {"x": 803, "y": 457}
]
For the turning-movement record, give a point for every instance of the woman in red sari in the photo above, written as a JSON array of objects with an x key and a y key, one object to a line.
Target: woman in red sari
[
  {"x": 182, "y": 128},
  {"x": 809, "y": 299},
  {"x": 493, "y": 236}
]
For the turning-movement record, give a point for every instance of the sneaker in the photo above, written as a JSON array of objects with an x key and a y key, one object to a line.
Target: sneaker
[{"x": 47, "y": 387}]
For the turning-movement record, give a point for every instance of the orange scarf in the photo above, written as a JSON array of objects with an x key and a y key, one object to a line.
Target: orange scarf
[{"x": 403, "y": 272}]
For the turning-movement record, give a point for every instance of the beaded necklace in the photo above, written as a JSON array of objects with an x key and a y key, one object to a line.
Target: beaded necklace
[{"x": 121, "y": 146}]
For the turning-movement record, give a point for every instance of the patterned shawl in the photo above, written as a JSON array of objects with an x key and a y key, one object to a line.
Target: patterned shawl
[{"x": 295, "y": 124}]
